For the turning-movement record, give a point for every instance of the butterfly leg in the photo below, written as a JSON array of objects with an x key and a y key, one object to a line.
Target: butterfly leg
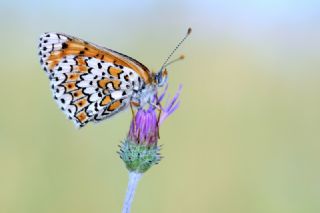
[
  {"x": 159, "y": 107},
  {"x": 132, "y": 104}
]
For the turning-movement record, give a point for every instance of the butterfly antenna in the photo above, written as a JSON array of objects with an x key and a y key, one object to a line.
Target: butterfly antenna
[
  {"x": 174, "y": 50},
  {"x": 174, "y": 60}
]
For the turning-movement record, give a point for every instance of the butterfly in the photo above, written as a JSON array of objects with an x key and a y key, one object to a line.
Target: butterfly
[{"x": 93, "y": 83}]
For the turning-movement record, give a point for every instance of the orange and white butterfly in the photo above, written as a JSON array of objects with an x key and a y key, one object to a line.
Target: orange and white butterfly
[{"x": 92, "y": 83}]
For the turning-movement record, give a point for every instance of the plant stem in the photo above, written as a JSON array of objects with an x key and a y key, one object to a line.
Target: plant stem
[{"x": 134, "y": 178}]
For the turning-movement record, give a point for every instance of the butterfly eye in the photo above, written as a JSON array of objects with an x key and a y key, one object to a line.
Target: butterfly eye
[{"x": 161, "y": 77}]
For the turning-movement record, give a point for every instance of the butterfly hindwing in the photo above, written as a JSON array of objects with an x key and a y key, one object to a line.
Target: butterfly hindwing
[{"x": 89, "y": 83}]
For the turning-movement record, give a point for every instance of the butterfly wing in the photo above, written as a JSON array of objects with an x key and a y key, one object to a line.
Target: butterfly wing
[{"x": 89, "y": 83}]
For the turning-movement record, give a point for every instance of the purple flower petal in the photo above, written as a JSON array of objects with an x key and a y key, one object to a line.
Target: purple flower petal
[
  {"x": 171, "y": 106},
  {"x": 163, "y": 93},
  {"x": 144, "y": 126}
]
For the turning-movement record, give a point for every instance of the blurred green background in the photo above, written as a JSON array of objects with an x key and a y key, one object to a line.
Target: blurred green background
[{"x": 245, "y": 138}]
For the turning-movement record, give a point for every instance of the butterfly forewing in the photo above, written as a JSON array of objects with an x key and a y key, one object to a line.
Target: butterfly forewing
[{"x": 89, "y": 83}]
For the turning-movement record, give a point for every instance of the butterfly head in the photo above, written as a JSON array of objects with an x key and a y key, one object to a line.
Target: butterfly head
[{"x": 161, "y": 77}]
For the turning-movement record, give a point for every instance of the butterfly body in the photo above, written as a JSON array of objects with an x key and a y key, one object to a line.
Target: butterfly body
[{"x": 92, "y": 83}]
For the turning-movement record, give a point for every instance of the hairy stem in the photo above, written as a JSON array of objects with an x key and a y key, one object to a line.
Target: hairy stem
[{"x": 134, "y": 178}]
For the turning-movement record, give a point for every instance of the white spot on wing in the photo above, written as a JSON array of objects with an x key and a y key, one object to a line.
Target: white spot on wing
[{"x": 116, "y": 95}]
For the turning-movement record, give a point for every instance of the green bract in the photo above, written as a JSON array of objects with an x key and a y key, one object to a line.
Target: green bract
[{"x": 139, "y": 157}]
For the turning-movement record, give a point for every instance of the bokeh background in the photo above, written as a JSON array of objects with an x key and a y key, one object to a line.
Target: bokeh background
[{"x": 245, "y": 139}]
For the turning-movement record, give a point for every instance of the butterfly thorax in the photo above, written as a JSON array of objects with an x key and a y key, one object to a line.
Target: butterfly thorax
[{"x": 144, "y": 95}]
